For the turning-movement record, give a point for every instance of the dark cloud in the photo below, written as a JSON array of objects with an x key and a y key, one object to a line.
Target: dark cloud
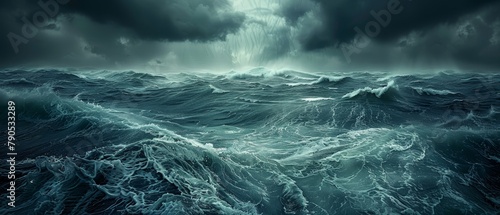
[
  {"x": 471, "y": 44},
  {"x": 108, "y": 30},
  {"x": 423, "y": 34},
  {"x": 340, "y": 17},
  {"x": 173, "y": 20},
  {"x": 293, "y": 10}
]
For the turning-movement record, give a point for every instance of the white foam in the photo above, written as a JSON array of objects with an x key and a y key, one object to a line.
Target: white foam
[
  {"x": 322, "y": 79},
  {"x": 217, "y": 90},
  {"x": 376, "y": 91},
  {"x": 315, "y": 99},
  {"x": 430, "y": 91}
]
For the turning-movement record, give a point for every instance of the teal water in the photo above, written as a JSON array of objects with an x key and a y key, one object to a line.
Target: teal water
[{"x": 254, "y": 142}]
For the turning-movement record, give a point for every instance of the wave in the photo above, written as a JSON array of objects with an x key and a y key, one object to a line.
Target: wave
[
  {"x": 430, "y": 91},
  {"x": 263, "y": 73},
  {"x": 320, "y": 80},
  {"x": 471, "y": 119},
  {"x": 19, "y": 83},
  {"x": 250, "y": 100},
  {"x": 378, "y": 92},
  {"x": 292, "y": 199},
  {"x": 259, "y": 73},
  {"x": 147, "y": 177},
  {"x": 217, "y": 90},
  {"x": 315, "y": 99}
]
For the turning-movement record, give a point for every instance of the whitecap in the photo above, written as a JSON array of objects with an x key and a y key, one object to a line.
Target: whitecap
[
  {"x": 376, "y": 91},
  {"x": 217, "y": 90},
  {"x": 315, "y": 99},
  {"x": 430, "y": 91}
]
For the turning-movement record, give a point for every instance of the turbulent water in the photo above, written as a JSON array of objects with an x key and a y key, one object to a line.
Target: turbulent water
[{"x": 254, "y": 142}]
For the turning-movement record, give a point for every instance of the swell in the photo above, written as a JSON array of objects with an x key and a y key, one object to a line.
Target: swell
[
  {"x": 430, "y": 91},
  {"x": 147, "y": 177},
  {"x": 322, "y": 80},
  {"x": 133, "y": 143},
  {"x": 389, "y": 90}
]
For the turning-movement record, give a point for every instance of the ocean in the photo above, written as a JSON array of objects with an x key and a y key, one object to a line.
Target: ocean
[{"x": 253, "y": 142}]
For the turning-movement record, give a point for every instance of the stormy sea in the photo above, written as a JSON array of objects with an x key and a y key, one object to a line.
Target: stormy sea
[{"x": 257, "y": 141}]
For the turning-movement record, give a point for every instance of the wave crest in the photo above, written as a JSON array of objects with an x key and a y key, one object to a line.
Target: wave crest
[
  {"x": 430, "y": 91},
  {"x": 378, "y": 92}
]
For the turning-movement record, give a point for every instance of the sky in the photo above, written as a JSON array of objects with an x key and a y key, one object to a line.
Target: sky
[{"x": 221, "y": 35}]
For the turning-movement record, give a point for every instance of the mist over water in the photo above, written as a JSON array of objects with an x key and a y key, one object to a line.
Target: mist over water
[{"x": 254, "y": 142}]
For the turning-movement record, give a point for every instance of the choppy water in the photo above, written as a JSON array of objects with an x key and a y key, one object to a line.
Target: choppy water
[{"x": 255, "y": 142}]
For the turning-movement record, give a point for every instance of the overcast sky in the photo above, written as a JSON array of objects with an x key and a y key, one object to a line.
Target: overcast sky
[{"x": 170, "y": 35}]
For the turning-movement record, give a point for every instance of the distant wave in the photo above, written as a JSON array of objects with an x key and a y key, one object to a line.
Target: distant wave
[
  {"x": 217, "y": 90},
  {"x": 314, "y": 99},
  {"x": 378, "y": 92},
  {"x": 430, "y": 91},
  {"x": 249, "y": 100},
  {"x": 260, "y": 73},
  {"x": 471, "y": 119},
  {"x": 320, "y": 80},
  {"x": 20, "y": 83}
]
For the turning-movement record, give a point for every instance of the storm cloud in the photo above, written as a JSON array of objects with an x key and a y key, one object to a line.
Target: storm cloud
[
  {"x": 174, "y": 20},
  {"x": 339, "y": 18},
  {"x": 105, "y": 28}
]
